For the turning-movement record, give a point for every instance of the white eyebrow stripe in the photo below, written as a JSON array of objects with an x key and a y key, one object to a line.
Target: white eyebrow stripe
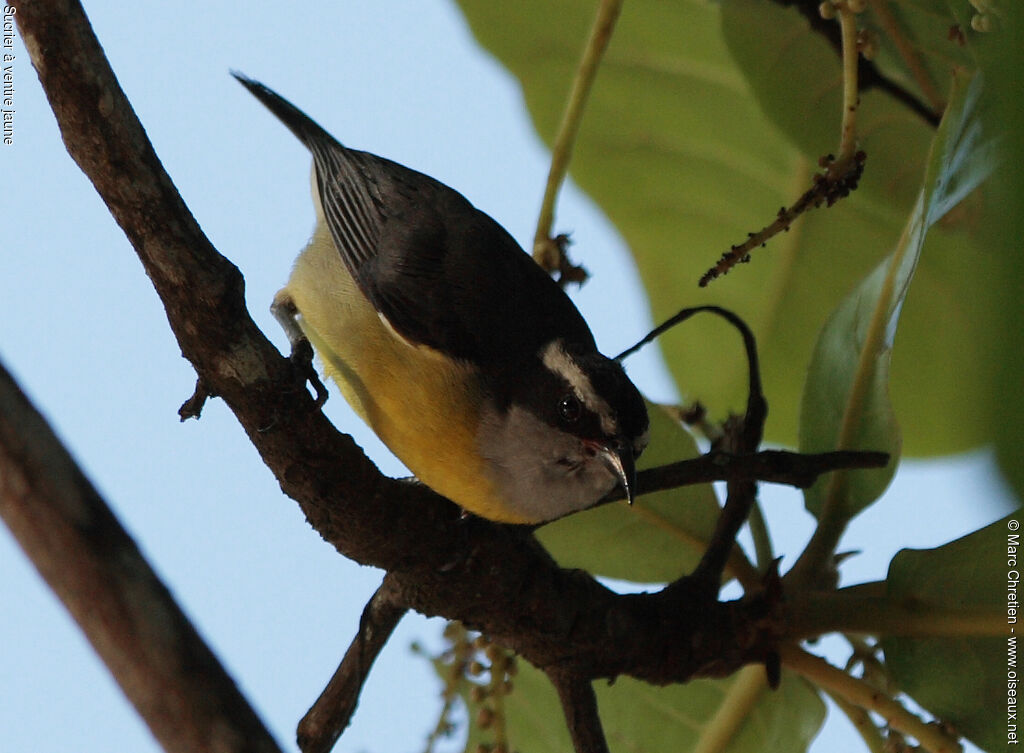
[{"x": 559, "y": 362}]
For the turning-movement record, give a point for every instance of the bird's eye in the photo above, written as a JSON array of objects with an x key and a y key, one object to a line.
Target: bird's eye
[{"x": 569, "y": 409}]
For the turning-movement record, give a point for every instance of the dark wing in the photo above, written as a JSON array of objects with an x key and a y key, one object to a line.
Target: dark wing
[{"x": 442, "y": 273}]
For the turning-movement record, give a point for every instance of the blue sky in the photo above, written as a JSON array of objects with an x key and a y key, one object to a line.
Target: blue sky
[{"x": 86, "y": 336}]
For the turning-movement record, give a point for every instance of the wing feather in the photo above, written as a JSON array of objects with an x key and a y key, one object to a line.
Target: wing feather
[{"x": 441, "y": 272}]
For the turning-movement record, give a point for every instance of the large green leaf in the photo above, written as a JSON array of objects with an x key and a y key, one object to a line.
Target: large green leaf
[
  {"x": 679, "y": 153},
  {"x": 846, "y": 395},
  {"x": 1002, "y": 57},
  {"x": 962, "y": 681},
  {"x": 659, "y": 538},
  {"x": 795, "y": 75},
  {"x": 737, "y": 715}
]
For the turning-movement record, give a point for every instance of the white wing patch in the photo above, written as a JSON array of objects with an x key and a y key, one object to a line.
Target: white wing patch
[{"x": 561, "y": 363}]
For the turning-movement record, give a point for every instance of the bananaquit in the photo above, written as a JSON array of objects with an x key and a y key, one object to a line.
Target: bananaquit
[{"x": 466, "y": 359}]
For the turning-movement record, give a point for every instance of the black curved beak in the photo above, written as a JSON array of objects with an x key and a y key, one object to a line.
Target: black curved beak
[{"x": 618, "y": 456}]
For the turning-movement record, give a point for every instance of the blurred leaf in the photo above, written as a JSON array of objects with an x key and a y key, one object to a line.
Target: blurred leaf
[
  {"x": 640, "y": 717},
  {"x": 924, "y": 29},
  {"x": 659, "y": 538},
  {"x": 1002, "y": 57},
  {"x": 846, "y": 395},
  {"x": 678, "y": 152},
  {"x": 794, "y": 74},
  {"x": 963, "y": 680}
]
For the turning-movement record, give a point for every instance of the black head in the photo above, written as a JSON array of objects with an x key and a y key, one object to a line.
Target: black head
[
  {"x": 589, "y": 396},
  {"x": 560, "y": 430}
]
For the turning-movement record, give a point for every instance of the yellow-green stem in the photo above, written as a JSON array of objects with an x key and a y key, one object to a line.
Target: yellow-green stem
[
  {"x": 851, "y": 90},
  {"x": 833, "y": 517},
  {"x": 856, "y": 692},
  {"x": 747, "y": 688},
  {"x": 561, "y": 152},
  {"x": 861, "y": 721},
  {"x": 809, "y": 615}
]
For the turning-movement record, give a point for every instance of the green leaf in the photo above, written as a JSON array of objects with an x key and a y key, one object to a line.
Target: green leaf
[
  {"x": 1002, "y": 56},
  {"x": 964, "y": 680},
  {"x": 846, "y": 396},
  {"x": 795, "y": 75},
  {"x": 656, "y": 540},
  {"x": 740, "y": 713},
  {"x": 679, "y": 152}
]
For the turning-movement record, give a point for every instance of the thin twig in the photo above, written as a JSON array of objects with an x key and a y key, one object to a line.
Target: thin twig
[
  {"x": 549, "y": 253},
  {"x": 323, "y": 724},
  {"x": 827, "y": 188},
  {"x": 771, "y": 466},
  {"x": 763, "y": 553},
  {"x": 870, "y": 75},
  {"x": 193, "y": 407},
  {"x": 749, "y": 343},
  {"x": 908, "y": 52},
  {"x": 576, "y": 692},
  {"x": 740, "y": 496},
  {"x": 862, "y": 722},
  {"x": 743, "y": 438},
  {"x": 833, "y": 516},
  {"x": 842, "y": 171},
  {"x": 851, "y": 90},
  {"x": 738, "y": 566},
  {"x": 71, "y": 536}
]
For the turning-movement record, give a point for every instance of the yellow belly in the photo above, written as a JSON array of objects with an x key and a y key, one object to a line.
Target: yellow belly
[{"x": 410, "y": 396}]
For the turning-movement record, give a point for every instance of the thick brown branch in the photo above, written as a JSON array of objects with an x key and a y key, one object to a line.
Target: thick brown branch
[
  {"x": 94, "y": 567},
  {"x": 323, "y": 724}
]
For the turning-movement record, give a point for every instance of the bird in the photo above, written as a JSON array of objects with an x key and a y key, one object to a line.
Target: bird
[{"x": 469, "y": 361}]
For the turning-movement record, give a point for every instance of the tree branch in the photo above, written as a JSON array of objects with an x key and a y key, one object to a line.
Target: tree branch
[
  {"x": 579, "y": 703},
  {"x": 77, "y": 545},
  {"x": 810, "y": 614},
  {"x": 494, "y": 578},
  {"x": 932, "y": 737},
  {"x": 773, "y": 466}
]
